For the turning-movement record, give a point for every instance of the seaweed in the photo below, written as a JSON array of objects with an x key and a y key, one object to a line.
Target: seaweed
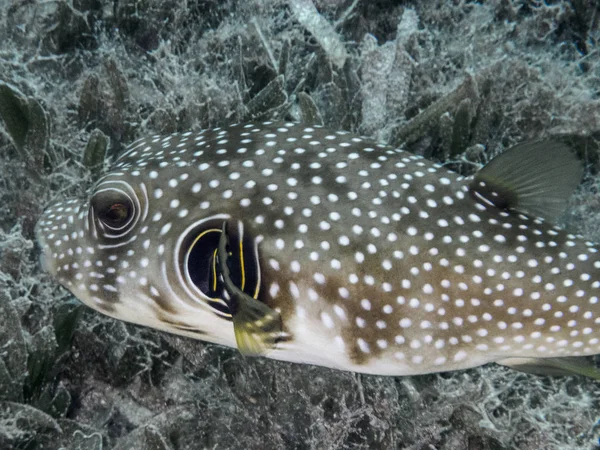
[
  {"x": 27, "y": 125},
  {"x": 94, "y": 153},
  {"x": 455, "y": 81},
  {"x": 268, "y": 101},
  {"x": 306, "y": 13},
  {"x": 308, "y": 108}
]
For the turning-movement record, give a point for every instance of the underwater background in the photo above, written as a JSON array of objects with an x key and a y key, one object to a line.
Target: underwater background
[{"x": 456, "y": 81}]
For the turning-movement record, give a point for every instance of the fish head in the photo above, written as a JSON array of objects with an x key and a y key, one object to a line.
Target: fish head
[{"x": 133, "y": 251}]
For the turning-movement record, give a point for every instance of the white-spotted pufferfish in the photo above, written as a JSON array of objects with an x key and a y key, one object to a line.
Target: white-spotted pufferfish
[{"x": 316, "y": 246}]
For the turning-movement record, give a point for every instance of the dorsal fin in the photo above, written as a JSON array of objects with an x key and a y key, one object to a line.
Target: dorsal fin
[{"x": 536, "y": 177}]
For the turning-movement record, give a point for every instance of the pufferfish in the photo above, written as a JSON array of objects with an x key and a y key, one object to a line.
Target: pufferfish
[{"x": 321, "y": 247}]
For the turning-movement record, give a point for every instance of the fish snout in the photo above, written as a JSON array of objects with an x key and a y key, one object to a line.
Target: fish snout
[
  {"x": 46, "y": 259},
  {"x": 57, "y": 235},
  {"x": 43, "y": 252}
]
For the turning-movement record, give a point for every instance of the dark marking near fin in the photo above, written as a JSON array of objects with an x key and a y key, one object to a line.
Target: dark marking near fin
[
  {"x": 106, "y": 308},
  {"x": 257, "y": 327},
  {"x": 180, "y": 325},
  {"x": 566, "y": 366},
  {"x": 536, "y": 177}
]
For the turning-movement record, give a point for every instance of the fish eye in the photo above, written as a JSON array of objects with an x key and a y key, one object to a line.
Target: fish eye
[
  {"x": 198, "y": 267},
  {"x": 197, "y": 250},
  {"x": 116, "y": 214},
  {"x": 113, "y": 208}
]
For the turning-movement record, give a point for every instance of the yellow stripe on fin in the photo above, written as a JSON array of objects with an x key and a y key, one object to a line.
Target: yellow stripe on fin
[
  {"x": 257, "y": 327},
  {"x": 535, "y": 177}
]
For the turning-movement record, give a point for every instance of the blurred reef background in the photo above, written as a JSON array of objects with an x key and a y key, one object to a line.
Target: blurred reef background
[{"x": 456, "y": 80}]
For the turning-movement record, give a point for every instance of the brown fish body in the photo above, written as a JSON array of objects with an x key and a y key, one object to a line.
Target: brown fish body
[{"x": 377, "y": 260}]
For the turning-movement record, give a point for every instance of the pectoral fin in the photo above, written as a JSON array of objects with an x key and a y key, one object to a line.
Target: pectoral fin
[
  {"x": 566, "y": 366},
  {"x": 257, "y": 327}
]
